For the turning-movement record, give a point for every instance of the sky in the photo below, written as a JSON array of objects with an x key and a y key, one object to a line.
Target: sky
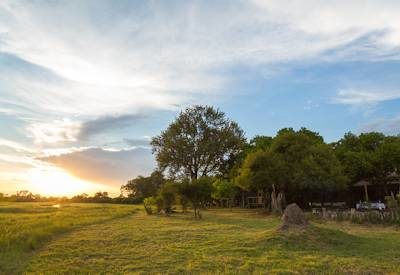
[{"x": 84, "y": 85}]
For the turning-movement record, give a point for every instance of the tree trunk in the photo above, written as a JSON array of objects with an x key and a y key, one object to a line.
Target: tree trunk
[
  {"x": 265, "y": 197},
  {"x": 366, "y": 193},
  {"x": 279, "y": 201},
  {"x": 274, "y": 204}
]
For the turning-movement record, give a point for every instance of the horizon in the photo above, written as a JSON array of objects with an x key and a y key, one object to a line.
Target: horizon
[{"x": 78, "y": 108}]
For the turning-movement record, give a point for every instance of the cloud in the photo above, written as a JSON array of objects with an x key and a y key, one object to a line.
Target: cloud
[
  {"x": 135, "y": 55},
  {"x": 105, "y": 166},
  {"x": 65, "y": 130},
  {"x": 390, "y": 126},
  {"x": 55, "y": 132},
  {"x": 132, "y": 56},
  {"x": 364, "y": 97},
  {"x": 17, "y": 147},
  {"x": 310, "y": 105},
  {"x": 138, "y": 142},
  {"x": 107, "y": 123}
]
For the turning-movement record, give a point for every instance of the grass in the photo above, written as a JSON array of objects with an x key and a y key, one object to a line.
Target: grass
[
  {"x": 26, "y": 227},
  {"x": 241, "y": 241}
]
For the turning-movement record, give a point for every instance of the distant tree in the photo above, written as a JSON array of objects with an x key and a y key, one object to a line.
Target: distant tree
[
  {"x": 101, "y": 197},
  {"x": 25, "y": 196},
  {"x": 197, "y": 192},
  {"x": 200, "y": 142},
  {"x": 80, "y": 198}
]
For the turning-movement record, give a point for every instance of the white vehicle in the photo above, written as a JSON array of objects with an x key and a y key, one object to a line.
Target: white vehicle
[{"x": 363, "y": 206}]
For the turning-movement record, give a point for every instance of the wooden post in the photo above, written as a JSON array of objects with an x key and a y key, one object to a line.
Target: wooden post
[
  {"x": 366, "y": 192},
  {"x": 324, "y": 214}
]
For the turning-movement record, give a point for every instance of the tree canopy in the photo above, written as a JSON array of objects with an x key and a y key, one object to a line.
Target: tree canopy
[
  {"x": 143, "y": 187},
  {"x": 200, "y": 142},
  {"x": 295, "y": 161},
  {"x": 370, "y": 156}
]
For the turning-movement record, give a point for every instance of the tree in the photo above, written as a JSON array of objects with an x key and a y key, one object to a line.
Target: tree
[
  {"x": 167, "y": 195},
  {"x": 24, "y": 195},
  {"x": 370, "y": 156},
  {"x": 223, "y": 190},
  {"x": 260, "y": 143},
  {"x": 80, "y": 198},
  {"x": 101, "y": 197},
  {"x": 264, "y": 171},
  {"x": 143, "y": 187},
  {"x": 197, "y": 192},
  {"x": 200, "y": 142},
  {"x": 295, "y": 162}
]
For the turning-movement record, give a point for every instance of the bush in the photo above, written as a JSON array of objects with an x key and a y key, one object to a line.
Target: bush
[
  {"x": 167, "y": 196},
  {"x": 148, "y": 204},
  {"x": 198, "y": 193}
]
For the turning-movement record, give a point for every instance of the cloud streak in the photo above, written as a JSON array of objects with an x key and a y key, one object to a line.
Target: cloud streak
[
  {"x": 364, "y": 97},
  {"x": 107, "y": 123},
  {"x": 105, "y": 166}
]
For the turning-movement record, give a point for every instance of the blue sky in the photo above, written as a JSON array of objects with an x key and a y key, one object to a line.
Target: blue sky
[{"x": 85, "y": 84}]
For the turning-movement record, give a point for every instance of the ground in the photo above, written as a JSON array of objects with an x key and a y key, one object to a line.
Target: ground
[{"x": 82, "y": 238}]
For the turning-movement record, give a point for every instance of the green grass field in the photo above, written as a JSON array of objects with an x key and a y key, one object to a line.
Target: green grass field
[{"x": 94, "y": 238}]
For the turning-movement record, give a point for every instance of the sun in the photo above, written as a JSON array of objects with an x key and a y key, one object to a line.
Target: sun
[{"x": 52, "y": 181}]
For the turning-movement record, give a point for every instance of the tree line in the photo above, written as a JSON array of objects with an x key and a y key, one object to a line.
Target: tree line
[
  {"x": 98, "y": 197},
  {"x": 203, "y": 158},
  {"x": 206, "y": 159}
]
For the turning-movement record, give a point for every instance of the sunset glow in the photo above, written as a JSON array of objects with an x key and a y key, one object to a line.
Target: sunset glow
[{"x": 53, "y": 181}]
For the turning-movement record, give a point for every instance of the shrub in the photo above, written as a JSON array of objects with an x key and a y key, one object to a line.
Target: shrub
[
  {"x": 148, "y": 204},
  {"x": 198, "y": 193},
  {"x": 167, "y": 195}
]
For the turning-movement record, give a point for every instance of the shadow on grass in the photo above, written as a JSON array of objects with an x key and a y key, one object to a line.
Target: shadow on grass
[{"x": 334, "y": 242}]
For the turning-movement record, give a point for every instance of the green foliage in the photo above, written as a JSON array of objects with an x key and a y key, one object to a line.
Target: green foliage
[
  {"x": 200, "y": 142},
  {"x": 149, "y": 204},
  {"x": 167, "y": 194},
  {"x": 370, "y": 156},
  {"x": 294, "y": 162},
  {"x": 197, "y": 192},
  {"x": 223, "y": 189},
  {"x": 260, "y": 143},
  {"x": 143, "y": 187}
]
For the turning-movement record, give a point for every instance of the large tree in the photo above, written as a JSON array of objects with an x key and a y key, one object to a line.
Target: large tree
[
  {"x": 295, "y": 163},
  {"x": 370, "y": 156},
  {"x": 202, "y": 141}
]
